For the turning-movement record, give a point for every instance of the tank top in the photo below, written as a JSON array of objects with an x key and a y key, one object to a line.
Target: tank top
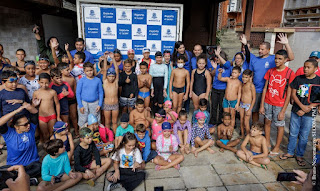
[
  {"x": 66, "y": 143},
  {"x": 200, "y": 83}
]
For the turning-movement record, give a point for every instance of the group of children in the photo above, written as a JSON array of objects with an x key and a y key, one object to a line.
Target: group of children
[{"x": 79, "y": 93}]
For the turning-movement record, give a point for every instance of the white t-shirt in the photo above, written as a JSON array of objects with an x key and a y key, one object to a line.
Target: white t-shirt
[{"x": 127, "y": 160}]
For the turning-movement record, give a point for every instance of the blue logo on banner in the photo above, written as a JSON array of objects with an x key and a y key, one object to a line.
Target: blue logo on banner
[
  {"x": 124, "y": 45},
  {"x": 167, "y": 45},
  {"x": 139, "y": 31},
  {"x": 138, "y": 45},
  {"x": 109, "y": 30},
  {"x": 169, "y": 17},
  {"x": 139, "y": 16},
  {"x": 92, "y": 14},
  {"x": 153, "y": 48},
  {"x": 168, "y": 32},
  {"x": 124, "y": 15},
  {"x": 92, "y": 30},
  {"x": 109, "y": 45},
  {"x": 154, "y": 16},
  {"x": 154, "y": 32},
  {"x": 108, "y": 15},
  {"x": 124, "y": 31}
]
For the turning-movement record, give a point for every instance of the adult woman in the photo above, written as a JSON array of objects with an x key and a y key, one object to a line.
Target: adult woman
[
  {"x": 239, "y": 60},
  {"x": 20, "y": 140}
]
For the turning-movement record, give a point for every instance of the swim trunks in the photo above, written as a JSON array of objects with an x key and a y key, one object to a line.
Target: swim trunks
[
  {"x": 226, "y": 103},
  {"x": 107, "y": 107},
  {"x": 144, "y": 94},
  {"x": 245, "y": 106},
  {"x": 48, "y": 118},
  {"x": 224, "y": 141},
  {"x": 178, "y": 90}
]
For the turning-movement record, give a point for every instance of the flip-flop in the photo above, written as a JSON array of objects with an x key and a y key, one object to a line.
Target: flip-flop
[
  {"x": 283, "y": 157},
  {"x": 301, "y": 161},
  {"x": 264, "y": 167},
  {"x": 273, "y": 154}
]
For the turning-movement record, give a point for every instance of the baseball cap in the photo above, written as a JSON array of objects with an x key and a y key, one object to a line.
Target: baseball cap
[
  {"x": 315, "y": 54},
  {"x": 145, "y": 49},
  {"x": 166, "y": 126},
  {"x": 59, "y": 126},
  {"x": 124, "y": 117},
  {"x": 158, "y": 53},
  {"x": 111, "y": 71}
]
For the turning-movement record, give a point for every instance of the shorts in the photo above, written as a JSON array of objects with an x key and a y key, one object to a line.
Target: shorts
[
  {"x": 245, "y": 106},
  {"x": 178, "y": 90},
  {"x": 107, "y": 107},
  {"x": 224, "y": 141},
  {"x": 48, "y": 118},
  {"x": 151, "y": 155},
  {"x": 144, "y": 94},
  {"x": 227, "y": 104},
  {"x": 72, "y": 101},
  {"x": 88, "y": 166},
  {"x": 254, "y": 153},
  {"x": 271, "y": 113},
  {"x": 256, "y": 106},
  {"x": 127, "y": 102}
]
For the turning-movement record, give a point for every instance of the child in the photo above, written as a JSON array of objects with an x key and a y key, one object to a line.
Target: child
[
  {"x": 167, "y": 147},
  {"x": 60, "y": 131},
  {"x": 171, "y": 116},
  {"x": 20, "y": 55},
  {"x": 72, "y": 102},
  {"x": 159, "y": 118},
  {"x": 159, "y": 73},
  {"x": 47, "y": 100},
  {"x": 200, "y": 85},
  {"x": 117, "y": 60},
  {"x": 275, "y": 98},
  {"x": 129, "y": 82},
  {"x": 43, "y": 64},
  {"x": 123, "y": 128},
  {"x": 144, "y": 84},
  {"x": 89, "y": 95},
  {"x": 64, "y": 92},
  {"x": 111, "y": 89},
  {"x": 78, "y": 71},
  {"x": 182, "y": 130},
  {"x": 200, "y": 130},
  {"x": 225, "y": 132},
  {"x": 258, "y": 153},
  {"x": 248, "y": 98},
  {"x": 231, "y": 100},
  {"x": 179, "y": 84},
  {"x": 126, "y": 160},
  {"x": 83, "y": 158},
  {"x": 30, "y": 79},
  {"x": 137, "y": 116},
  {"x": 56, "y": 171},
  {"x": 131, "y": 56},
  {"x": 167, "y": 61},
  {"x": 203, "y": 103},
  {"x": 301, "y": 114},
  {"x": 146, "y": 58},
  {"x": 102, "y": 136}
]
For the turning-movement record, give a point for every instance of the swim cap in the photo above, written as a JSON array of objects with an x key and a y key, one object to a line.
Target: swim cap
[
  {"x": 92, "y": 119},
  {"x": 59, "y": 126},
  {"x": 200, "y": 115},
  {"x": 111, "y": 71}
]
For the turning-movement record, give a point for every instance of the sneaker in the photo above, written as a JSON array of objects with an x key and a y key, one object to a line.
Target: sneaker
[
  {"x": 113, "y": 186},
  {"x": 34, "y": 182}
]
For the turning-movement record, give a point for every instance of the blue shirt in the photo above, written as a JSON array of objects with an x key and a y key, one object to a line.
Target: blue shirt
[
  {"x": 144, "y": 145},
  {"x": 55, "y": 166},
  {"x": 217, "y": 84},
  {"x": 194, "y": 64},
  {"x": 89, "y": 57},
  {"x": 260, "y": 66},
  {"x": 89, "y": 90},
  {"x": 18, "y": 94},
  {"x": 22, "y": 148}
]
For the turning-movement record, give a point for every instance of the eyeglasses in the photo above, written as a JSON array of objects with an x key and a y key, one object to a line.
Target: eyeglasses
[
  {"x": 24, "y": 124},
  {"x": 11, "y": 79}
]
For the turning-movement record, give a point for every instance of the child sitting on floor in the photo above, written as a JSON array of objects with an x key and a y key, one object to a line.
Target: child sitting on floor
[
  {"x": 56, "y": 170},
  {"x": 171, "y": 116},
  {"x": 182, "y": 130},
  {"x": 258, "y": 153},
  {"x": 203, "y": 104},
  {"x": 123, "y": 128},
  {"x": 156, "y": 123},
  {"x": 167, "y": 147}
]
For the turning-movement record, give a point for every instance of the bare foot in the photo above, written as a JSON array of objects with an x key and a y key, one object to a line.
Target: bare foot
[
  {"x": 221, "y": 150},
  {"x": 210, "y": 151},
  {"x": 196, "y": 153},
  {"x": 177, "y": 166}
]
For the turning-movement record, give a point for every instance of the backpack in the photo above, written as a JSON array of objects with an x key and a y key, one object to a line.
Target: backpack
[{"x": 288, "y": 74}]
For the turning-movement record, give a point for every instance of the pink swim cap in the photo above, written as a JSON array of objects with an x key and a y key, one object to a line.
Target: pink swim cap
[
  {"x": 168, "y": 103},
  {"x": 130, "y": 51},
  {"x": 200, "y": 115}
]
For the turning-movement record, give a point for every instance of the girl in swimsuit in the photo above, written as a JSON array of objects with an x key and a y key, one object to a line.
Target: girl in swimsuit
[{"x": 200, "y": 82}]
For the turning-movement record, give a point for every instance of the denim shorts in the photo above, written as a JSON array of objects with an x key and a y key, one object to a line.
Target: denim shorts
[
  {"x": 127, "y": 102},
  {"x": 271, "y": 113},
  {"x": 151, "y": 156}
]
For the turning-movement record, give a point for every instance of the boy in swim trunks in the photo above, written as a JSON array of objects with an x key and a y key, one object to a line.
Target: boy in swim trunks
[
  {"x": 179, "y": 89},
  {"x": 110, "y": 87},
  {"x": 258, "y": 153},
  {"x": 248, "y": 98},
  {"x": 231, "y": 100},
  {"x": 144, "y": 84},
  {"x": 137, "y": 116},
  {"x": 225, "y": 132},
  {"x": 47, "y": 100}
]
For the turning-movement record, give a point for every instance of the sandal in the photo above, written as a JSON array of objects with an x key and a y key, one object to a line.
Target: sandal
[
  {"x": 285, "y": 157},
  {"x": 301, "y": 161},
  {"x": 264, "y": 167}
]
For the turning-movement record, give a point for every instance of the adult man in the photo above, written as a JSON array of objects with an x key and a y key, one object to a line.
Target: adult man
[
  {"x": 260, "y": 65},
  {"x": 80, "y": 48},
  {"x": 197, "y": 51}
]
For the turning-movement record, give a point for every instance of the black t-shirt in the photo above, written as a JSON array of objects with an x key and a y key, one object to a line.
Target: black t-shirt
[
  {"x": 302, "y": 85},
  {"x": 83, "y": 157},
  {"x": 128, "y": 88}
]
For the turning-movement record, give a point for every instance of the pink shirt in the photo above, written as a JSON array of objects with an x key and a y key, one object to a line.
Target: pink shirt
[{"x": 156, "y": 130}]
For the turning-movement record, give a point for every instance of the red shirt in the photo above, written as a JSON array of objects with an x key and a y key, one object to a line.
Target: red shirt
[
  {"x": 276, "y": 87},
  {"x": 300, "y": 72}
]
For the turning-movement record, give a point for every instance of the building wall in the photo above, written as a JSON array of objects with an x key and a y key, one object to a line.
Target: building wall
[{"x": 16, "y": 32}]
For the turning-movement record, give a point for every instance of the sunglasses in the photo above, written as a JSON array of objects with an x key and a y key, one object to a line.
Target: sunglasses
[
  {"x": 11, "y": 79},
  {"x": 24, "y": 124}
]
